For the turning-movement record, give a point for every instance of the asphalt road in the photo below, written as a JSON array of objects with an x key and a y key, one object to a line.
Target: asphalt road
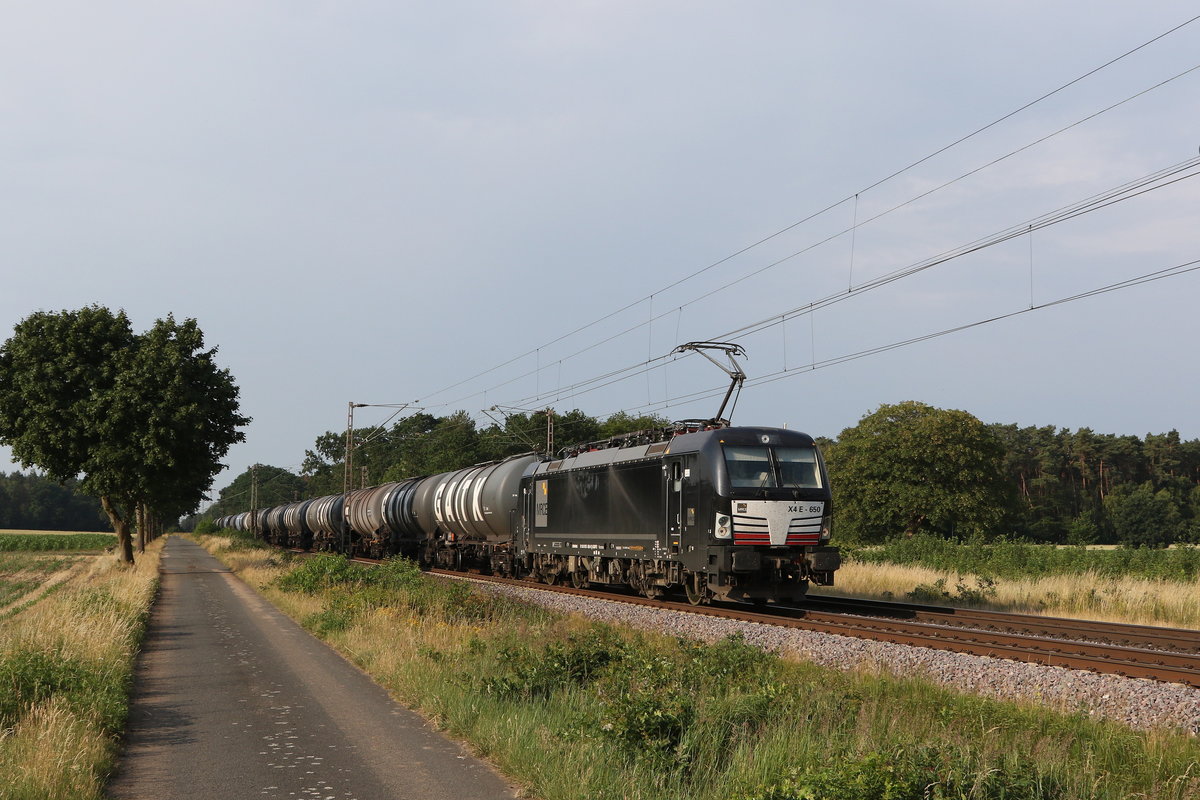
[{"x": 234, "y": 700}]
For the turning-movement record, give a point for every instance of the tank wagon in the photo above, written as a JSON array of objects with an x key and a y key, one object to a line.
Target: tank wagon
[{"x": 736, "y": 514}]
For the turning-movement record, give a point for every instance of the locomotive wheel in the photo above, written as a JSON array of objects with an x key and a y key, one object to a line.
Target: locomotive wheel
[
  {"x": 579, "y": 579},
  {"x": 550, "y": 578},
  {"x": 634, "y": 579},
  {"x": 695, "y": 586}
]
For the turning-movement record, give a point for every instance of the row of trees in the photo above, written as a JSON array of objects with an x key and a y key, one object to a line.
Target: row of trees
[
  {"x": 910, "y": 467},
  {"x": 36, "y": 503},
  {"x": 141, "y": 420}
]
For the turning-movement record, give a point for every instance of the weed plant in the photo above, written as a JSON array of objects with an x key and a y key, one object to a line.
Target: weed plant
[{"x": 578, "y": 709}]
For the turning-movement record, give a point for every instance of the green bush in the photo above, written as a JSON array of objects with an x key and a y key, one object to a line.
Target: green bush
[
  {"x": 395, "y": 582},
  {"x": 534, "y": 672},
  {"x": 321, "y": 572},
  {"x": 910, "y": 773},
  {"x": 337, "y": 617},
  {"x": 963, "y": 594}
]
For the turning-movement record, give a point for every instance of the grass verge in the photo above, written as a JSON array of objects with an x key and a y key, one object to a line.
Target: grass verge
[
  {"x": 66, "y": 667},
  {"x": 576, "y": 709}
]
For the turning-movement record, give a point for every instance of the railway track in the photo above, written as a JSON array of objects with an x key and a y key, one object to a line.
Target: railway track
[
  {"x": 1167, "y": 655},
  {"x": 1178, "y": 640},
  {"x": 1073, "y": 644}
]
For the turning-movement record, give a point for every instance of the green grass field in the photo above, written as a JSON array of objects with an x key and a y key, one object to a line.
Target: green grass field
[{"x": 43, "y": 541}]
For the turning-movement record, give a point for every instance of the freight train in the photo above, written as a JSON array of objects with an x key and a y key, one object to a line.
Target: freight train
[{"x": 738, "y": 514}]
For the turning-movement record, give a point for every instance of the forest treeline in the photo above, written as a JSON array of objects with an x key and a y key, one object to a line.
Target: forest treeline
[
  {"x": 32, "y": 502},
  {"x": 1083, "y": 487},
  {"x": 904, "y": 469}
]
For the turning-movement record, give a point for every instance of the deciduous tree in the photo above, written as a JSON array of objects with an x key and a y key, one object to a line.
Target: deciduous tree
[
  {"x": 1143, "y": 517},
  {"x": 144, "y": 419},
  {"x": 911, "y": 467}
]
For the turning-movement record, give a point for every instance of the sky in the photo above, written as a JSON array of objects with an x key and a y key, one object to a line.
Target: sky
[{"x": 464, "y": 205}]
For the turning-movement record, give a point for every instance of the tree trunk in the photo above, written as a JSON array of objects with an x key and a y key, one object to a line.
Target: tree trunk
[
  {"x": 141, "y": 528},
  {"x": 121, "y": 526},
  {"x": 914, "y": 525}
]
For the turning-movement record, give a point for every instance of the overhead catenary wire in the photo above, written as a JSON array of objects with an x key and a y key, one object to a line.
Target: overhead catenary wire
[
  {"x": 816, "y": 214},
  {"x": 1127, "y": 283},
  {"x": 716, "y": 391},
  {"x": 1128, "y": 191},
  {"x": 1157, "y": 179},
  {"x": 811, "y": 246}
]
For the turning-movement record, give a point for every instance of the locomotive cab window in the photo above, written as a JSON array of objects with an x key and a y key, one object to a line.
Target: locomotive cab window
[
  {"x": 750, "y": 467},
  {"x": 772, "y": 467},
  {"x": 798, "y": 467}
]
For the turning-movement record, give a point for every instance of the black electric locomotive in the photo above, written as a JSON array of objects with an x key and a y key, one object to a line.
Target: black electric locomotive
[{"x": 738, "y": 514}]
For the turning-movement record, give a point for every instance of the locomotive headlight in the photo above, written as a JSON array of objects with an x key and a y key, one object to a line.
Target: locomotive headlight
[
  {"x": 723, "y": 527},
  {"x": 826, "y": 528}
]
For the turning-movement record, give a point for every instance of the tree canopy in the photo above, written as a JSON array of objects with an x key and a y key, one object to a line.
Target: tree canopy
[
  {"x": 143, "y": 418},
  {"x": 911, "y": 467}
]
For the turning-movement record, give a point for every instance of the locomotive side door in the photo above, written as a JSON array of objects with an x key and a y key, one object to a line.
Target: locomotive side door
[{"x": 680, "y": 475}]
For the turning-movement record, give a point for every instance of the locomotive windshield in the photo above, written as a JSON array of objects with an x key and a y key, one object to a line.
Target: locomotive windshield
[{"x": 772, "y": 467}]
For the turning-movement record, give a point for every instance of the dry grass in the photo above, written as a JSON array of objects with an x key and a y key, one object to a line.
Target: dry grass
[
  {"x": 50, "y": 753},
  {"x": 62, "y": 745},
  {"x": 1086, "y": 595}
]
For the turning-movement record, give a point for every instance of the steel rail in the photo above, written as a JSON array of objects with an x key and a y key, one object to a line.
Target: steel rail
[{"x": 1150, "y": 636}]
